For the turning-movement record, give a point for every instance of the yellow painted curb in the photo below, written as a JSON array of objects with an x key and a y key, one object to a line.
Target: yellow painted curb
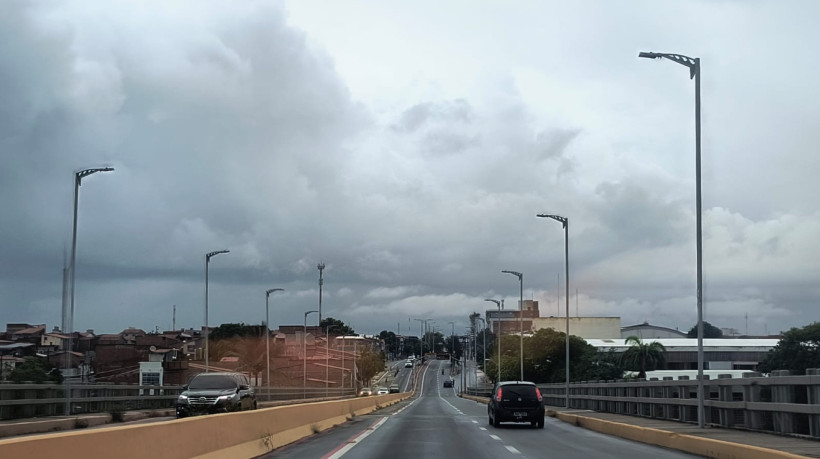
[{"x": 701, "y": 446}]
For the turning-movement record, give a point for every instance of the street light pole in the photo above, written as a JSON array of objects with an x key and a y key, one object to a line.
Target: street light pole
[
  {"x": 78, "y": 179},
  {"x": 452, "y": 343},
  {"x": 483, "y": 345},
  {"x": 304, "y": 355},
  {"x": 694, "y": 72},
  {"x": 267, "y": 332},
  {"x": 421, "y": 337},
  {"x": 320, "y": 267},
  {"x": 208, "y": 257},
  {"x": 520, "y": 316},
  {"x": 565, "y": 222},
  {"x": 498, "y": 304}
]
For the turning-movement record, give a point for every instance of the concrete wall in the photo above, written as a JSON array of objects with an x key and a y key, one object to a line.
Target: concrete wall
[
  {"x": 245, "y": 434},
  {"x": 585, "y": 327}
]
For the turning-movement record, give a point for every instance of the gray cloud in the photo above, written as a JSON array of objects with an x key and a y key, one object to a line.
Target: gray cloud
[{"x": 413, "y": 168}]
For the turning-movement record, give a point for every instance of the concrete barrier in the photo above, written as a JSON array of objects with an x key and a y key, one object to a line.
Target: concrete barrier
[
  {"x": 244, "y": 434},
  {"x": 688, "y": 443}
]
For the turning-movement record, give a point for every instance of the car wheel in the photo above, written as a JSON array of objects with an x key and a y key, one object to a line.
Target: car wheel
[{"x": 541, "y": 424}]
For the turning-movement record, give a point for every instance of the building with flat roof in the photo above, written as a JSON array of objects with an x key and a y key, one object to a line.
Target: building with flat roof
[
  {"x": 718, "y": 353},
  {"x": 584, "y": 327}
]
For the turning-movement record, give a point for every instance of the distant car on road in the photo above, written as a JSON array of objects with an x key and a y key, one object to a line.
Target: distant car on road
[
  {"x": 516, "y": 401},
  {"x": 408, "y": 364},
  {"x": 394, "y": 389},
  {"x": 382, "y": 391},
  {"x": 365, "y": 392},
  {"x": 448, "y": 382}
]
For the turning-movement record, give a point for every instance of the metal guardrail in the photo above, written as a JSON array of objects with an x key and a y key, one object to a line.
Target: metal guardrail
[
  {"x": 26, "y": 400},
  {"x": 29, "y": 400},
  {"x": 780, "y": 403}
]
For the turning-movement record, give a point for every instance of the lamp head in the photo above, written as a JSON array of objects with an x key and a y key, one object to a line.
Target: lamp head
[
  {"x": 649, "y": 55},
  {"x": 514, "y": 273},
  {"x": 217, "y": 252}
]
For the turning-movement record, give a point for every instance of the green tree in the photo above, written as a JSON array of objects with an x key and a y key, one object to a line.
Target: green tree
[
  {"x": 643, "y": 356},
  {"x": 434, "y": 339},
  {"x": 709, "y": 331},
  {"x": 453, "y": 346},
  {"x": 368, "y": 364},
  {"x": 545, "y": 359},
  {"x": 411, "y": 345},
  {"x": 35, "y": 370},
  {"x": 798, "y": 350},
  {"x": 602, "y": 365},
  {"x": 239, "y": 330},
  {"x": 391, "y": 342},
  {"x": 339, "y": 327}
]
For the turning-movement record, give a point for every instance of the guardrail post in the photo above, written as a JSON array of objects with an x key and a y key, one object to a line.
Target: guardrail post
[
  {"x": 751, "y": 393},
  {"x": 689, "y": 412},
  {"x": 782, "y": 393},
  {"x": 725, "y": 415},
  {"x": 814, "y": 399}
]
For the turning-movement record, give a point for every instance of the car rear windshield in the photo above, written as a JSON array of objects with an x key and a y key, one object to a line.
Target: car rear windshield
[
  {"x": 213, "y": 382},
  {"x": 524, "y": 391}
]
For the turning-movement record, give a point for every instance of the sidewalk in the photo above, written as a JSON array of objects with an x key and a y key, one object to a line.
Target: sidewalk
[{"x": 792, "y": 445}]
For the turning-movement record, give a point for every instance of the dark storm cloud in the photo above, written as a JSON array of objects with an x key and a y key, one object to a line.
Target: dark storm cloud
[{"x": 413, "y": 164}]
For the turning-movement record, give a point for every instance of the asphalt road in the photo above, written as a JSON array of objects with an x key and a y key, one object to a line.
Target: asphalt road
[{"x": 440, "y": 424}]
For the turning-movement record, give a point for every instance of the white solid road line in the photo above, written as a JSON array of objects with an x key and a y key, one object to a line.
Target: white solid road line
[{"x": 348, "y": 445}]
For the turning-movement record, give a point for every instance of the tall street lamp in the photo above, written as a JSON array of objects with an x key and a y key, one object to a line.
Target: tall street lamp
[
  {"x": 267, "y": 332},
  {"x": 208, "y": 257},
  {"x": 565, "y": 222},
  {"x": 69, "y": 327},
  {"x": 498, "y": 304},
  {"x": 304, "y": 355},
  {"x": 483, "y": 345},
  {"x": 520, "y": 316},
  {"x": 320, "y": 267},
  {"x": 452, "y": 343},
  {"x": 694, "y": 72},
  {"x": 421, "y": 337}
]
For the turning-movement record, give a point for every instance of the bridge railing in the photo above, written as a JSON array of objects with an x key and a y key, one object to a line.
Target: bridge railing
[
  {"x": 781, "y": 403},
  {"x": 29, "y": 400}
]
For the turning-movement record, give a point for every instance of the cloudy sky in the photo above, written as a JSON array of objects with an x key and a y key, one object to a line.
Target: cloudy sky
[{"x": 408, "y": 146}]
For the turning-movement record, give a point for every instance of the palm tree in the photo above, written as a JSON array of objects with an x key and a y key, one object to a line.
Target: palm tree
[{"x": 644, "y": 356}]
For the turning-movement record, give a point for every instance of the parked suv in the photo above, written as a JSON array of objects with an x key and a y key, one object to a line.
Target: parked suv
[
  {"x": 516, "y": 401},
  {"x": 216, "y": 393}
]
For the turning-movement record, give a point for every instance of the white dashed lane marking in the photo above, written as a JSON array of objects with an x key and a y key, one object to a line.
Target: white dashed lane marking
[{"x": 512, "y": 450}]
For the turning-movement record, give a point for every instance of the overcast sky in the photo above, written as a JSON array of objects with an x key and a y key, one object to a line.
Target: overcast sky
[{"x": 408, "y": 146}]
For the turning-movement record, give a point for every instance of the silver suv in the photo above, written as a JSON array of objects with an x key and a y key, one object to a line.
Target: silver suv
[{"x": 216, "y": 393}]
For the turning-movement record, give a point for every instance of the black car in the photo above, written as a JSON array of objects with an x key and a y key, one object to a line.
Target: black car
[
  {"x": 448, "y": 382},
  {"x": 516, "y": 401},
  {"x": 216, "y": 393}
]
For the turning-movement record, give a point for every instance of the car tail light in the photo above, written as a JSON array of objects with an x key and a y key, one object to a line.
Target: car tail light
[
  {"x": 538, "y": 394},
  {"x": 498, "y": 395}
]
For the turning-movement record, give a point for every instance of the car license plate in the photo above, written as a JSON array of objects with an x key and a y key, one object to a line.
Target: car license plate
[{"x": 519, "y": 414}]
